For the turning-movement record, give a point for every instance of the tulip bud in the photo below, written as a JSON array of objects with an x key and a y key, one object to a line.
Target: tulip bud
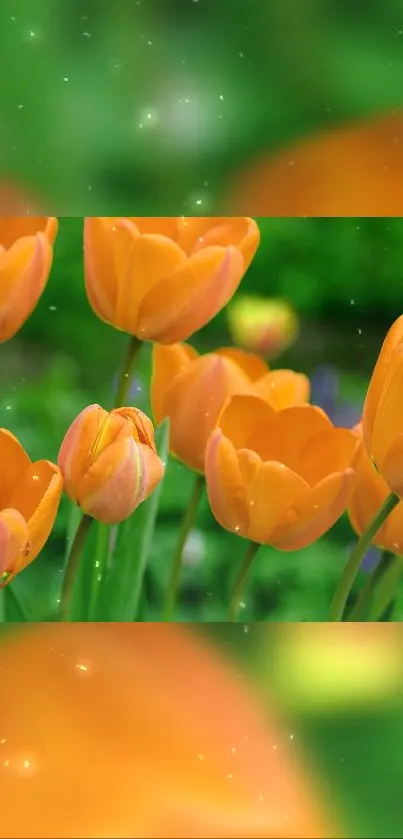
[
  {"x": 261, "y": 325},
  {"x": 109, "y": 462},
  {"x": 26, "y": 255}
]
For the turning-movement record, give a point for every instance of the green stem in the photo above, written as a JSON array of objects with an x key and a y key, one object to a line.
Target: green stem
[
  {"x": 353, "y": 565},
  {"x": 237, "y": 592},
  {"x": 386, "y": 590},
  {"x": 73, "y": 561},
  {"x": 364, "y": 599},
  {"x": 187, "y": 522},
  {"x": 126, "y": 373}
]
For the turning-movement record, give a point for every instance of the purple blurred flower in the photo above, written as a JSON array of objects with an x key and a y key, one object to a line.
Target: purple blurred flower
[
  {"x": 136, "y": 389},
  {"x": 325, "y": 382}
]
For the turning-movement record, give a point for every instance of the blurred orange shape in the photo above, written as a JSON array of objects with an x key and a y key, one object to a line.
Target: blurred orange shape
[
  {"x": 192, "y": 389},
  {"x": 109, "y": 462},
  {"x": 26, "y": 253},
  {"x": 280, "y": 478},
  {"x": 126, "y": 730},
  {"x": 369, "y": 491},
  {"x": 161, "y": 279},
  {"x": 29, "y": 500},
  {"x": 353, "y": 170}
]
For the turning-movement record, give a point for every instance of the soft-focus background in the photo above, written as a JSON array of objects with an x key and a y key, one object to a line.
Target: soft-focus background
[
  {"x": 158, "y": 106},
  {"x": 333, "y": 694},
  {"x": 344, "y": 279}
]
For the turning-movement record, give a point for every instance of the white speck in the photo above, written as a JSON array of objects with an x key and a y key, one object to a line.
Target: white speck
[
  {"x": 52, "y": 308},
  {"x": 150, "y": 43},
  {"x": 20, "y": 107},
  {"x": 237, "y": 528},
  {"x": 65, "y": 78},
  {"x": 26, "y": 764},
  {"x": 359, "y": 331},
  {"x": 3, "y": 740},
  {"x": 292, "y": 736},
  {"x": 275, "y": 746},
  {"x": 87, "y": 35},
  {"x": 221, "y": 97},
  {"x": 8, "y": 407},
  {"x": 233, "y": 750},
  {"x": 200, "y": 756},
  {"x": 35, "y": 477},
  {"x": 241, "y": 55},
  {"x": 83, "y": 667},
  {"x": 229, "y": 776},
  {"x": 352, "y": 302}
]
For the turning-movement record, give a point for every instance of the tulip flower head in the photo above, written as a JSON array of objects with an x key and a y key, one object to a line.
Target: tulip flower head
[
  {"x": 109, "y": 462},
  {"x": 191, "y": 390},
  {"x": 263, "y": 325},
  {"x": 382, "y": 419},
  {"x": 369, "y": 492},
  {"x": 280, "y": 478},
  {"x": 26, "y": 253},
  {"x": 29, "y": 500},
  {"x": 161, "y": 279}
]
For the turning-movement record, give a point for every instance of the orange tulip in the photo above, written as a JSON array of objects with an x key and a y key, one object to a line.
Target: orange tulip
[
  {"x": 161, "y": 279},
  {"x": 353, "y": 170},
  {"x": 26, "y": 253},
  {"x": 280, "y": 478},
  {"x": 141, "y": 730},
  {"x": 29, "y": 500},
  {"x": 191, "y": 390},
  {"x": 382, "y": 415},
  {"x": 368, "y": 494},
  {"x": 109, "y": 462}
]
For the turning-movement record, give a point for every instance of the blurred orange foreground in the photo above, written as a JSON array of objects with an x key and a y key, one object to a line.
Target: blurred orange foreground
[
  {"x": 356, "y": 170},
  {"x": 139, "y": 730}
]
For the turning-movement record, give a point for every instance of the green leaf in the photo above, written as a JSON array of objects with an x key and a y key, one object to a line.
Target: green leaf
[
  {"x": 13, "y": 608},
  {"x": 121, "y": 587}
]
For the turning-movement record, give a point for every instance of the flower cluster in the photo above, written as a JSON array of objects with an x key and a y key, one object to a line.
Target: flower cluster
[{"x": 278, "y": 471}]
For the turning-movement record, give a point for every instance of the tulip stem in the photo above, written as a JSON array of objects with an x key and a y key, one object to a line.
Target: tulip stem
[
  {"x": 187, "y": 522},
  {"x": 73, "y": 561},
  {"x": 239, "y": 586},
  {"x": 354, "y": 562},
  {"x": 126, "y": 373},
  {"x": 360, "y": 608}
]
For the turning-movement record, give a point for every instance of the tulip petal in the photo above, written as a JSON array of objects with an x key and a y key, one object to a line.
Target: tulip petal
[
  {"x": 194, "y": 401},
  {"x": 75, "y": 453},
  {"x": 299, "y": 425},
  {"x": 112, "y": 486},
  {"x": 101, "y": 281},
  {"x": 13, "y": 540},
  {"x": 244, "y": 417},
  {"x": 18, "y": 227},
  {"x": 162, "y": 225},
  {"x": 271, "y": 489},
  {"x": 24, "y": 270},
  {"x": 167, "y": 363},
  {"x": 392, "y": 467},
  {"x": 369, "y": 491},
  {"x": 14, "y": 461},
  {"x": 142, "y": 263},
  {"x": 225, "y": 484},
  {"x": 251, "y": 364},
  {"x": 392, "y": 340},
  {"x": 153, "y": 471},
  {"x": 314, "y": 513},
  {"x": 283, "y": 388},
  {"x": 37, "y": 496},
  {"x": 388, "y": 417},
  {"x": 191, "y": 296},
  {"x": 329, "y": 451}
]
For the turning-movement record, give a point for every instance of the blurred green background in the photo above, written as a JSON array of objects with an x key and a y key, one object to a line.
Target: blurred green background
[
  {"x": 146, "y": 106},
  {"x": 344, "y": 278},
  {"x": 338, "y": 690}
]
